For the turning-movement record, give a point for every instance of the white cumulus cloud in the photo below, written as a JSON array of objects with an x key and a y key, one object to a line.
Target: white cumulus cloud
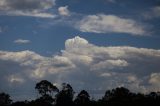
[
  {"x": 64, "y": 11},
  {"x": 102, "y": 23},
  {"x": 85, "y": 66},
  {"x": 155, "y": 81}
]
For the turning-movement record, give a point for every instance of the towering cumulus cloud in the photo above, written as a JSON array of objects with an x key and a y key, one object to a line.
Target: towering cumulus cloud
[{"x": 85, "y": 66}]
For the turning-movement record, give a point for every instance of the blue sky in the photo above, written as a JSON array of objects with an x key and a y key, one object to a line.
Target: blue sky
[
  {"x": 122, "y": 35},
  {"x": 46, "y": 34}
]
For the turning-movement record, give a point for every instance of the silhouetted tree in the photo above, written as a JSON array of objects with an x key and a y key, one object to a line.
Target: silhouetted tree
[
  {"x": 45, "y": 87},
  {"x": 153, "y": 95},
  {"x": 20, "y": 103},
  {"x": 45, "y": 100},
  {"x": 117, "y": 94},
  {"x": 65, "y": 96},
  {"x": 82, "y": 98},
  {"x": 108, "y": 95},
  {"x": 116, "y": 97},
  {"x": 5, "y": 99}
]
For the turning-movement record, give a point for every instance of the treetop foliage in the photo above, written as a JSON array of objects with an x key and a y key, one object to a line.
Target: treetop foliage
[{"x": 119, "y": 96}]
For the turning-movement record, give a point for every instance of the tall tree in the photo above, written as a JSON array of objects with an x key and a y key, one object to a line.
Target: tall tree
[
  {"x": 4, "y": 99},
  {"x": 82, "y": 98},
  {"x": 65, "y": 96},
  {"x": 45, "y": 87}
]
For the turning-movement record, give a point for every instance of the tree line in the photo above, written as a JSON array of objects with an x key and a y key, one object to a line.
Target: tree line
[{"x": 50, "y": 95}]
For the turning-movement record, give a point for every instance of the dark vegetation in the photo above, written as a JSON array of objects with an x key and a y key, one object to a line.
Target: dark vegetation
[{"x": 50, "y": 95}]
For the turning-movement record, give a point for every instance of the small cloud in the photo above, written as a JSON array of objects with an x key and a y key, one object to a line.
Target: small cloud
[
  {"x": 1, "y": 30},
  {"x": 154, "y": 12},
  {"x": 106, "y": 75},
  {"x": 30, "y": 14},
  {"x": 15, "y": 79},
  {"x": 64, "y": 11},
  {"x": 21, "y": 41},
  {"x": 111, "y": 1},
  {"x": 132, "y": 78}
]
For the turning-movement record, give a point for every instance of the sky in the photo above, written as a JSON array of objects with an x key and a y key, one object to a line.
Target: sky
[{"x": 94, "y": 45}]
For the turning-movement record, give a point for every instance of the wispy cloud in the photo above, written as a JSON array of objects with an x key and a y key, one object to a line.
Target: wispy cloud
[
  {"x": 34, "y": 8},
  {"x": 154, "y": 12},
  {"x": 21, "y": 41},
  {"x": 1, "y": 29},
  {"x": 30, "y": 14},
  {"x": 102, "y": 23},
  {"x": 111, "y": 1},
  {"x": 15, "y": 79}
]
